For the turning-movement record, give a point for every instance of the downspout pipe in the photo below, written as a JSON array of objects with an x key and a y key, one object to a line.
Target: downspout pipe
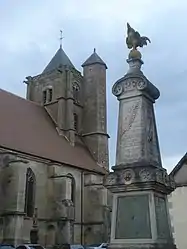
[{"x": 82, "y": 206}]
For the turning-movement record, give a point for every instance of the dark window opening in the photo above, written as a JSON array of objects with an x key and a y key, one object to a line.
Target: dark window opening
[
  {"x": 30, "y": 193},
  {"x": 75, "y": 122},
  {"x": 50, "y": 95},
  {"x": 76, "y": 90},
  {"x": 44, "y": 97},
  {"x": 34, "y": 237},
  {"x": 73, "y": 190}
]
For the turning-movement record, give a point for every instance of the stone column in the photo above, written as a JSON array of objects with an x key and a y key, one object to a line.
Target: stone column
[
  {"x": 139, "y": 184},
  {"x": 13, "y": 211},
  {"x": 64, "y": 209}
]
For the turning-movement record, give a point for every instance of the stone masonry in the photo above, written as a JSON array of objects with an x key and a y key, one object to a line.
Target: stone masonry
[
  {"x": 139, "y": 184},
  {"x": 71, "y": 202}
]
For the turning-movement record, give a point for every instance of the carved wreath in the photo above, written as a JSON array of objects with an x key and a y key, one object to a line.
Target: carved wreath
[
  {"x": 128, "y": 176},
  {"x": 117, "y": 90}
]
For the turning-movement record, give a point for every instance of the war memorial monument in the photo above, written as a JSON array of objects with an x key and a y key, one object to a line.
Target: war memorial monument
[{"x": 139, "y": 183}]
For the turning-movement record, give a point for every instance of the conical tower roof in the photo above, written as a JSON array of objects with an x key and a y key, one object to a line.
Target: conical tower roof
[
  {"x": 94, "y": 59},
  {"x": 60, "y": 58}
]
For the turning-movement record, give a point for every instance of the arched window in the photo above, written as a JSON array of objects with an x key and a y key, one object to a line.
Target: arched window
[
  {"x": 75, "y": 122},
  {"x": 47, "y": 95},
  {"x": 30, "y": 193},
  {"x": 50, "y": 94},
  {"x": 76, "y": 90},
  {"x": 73, "y": 188}
]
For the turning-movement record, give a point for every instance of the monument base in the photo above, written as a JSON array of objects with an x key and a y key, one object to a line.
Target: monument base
[{"x": 140, "y": 216}]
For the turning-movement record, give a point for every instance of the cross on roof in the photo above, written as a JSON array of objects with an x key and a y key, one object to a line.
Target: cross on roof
[{"x": 61, "y": 38}]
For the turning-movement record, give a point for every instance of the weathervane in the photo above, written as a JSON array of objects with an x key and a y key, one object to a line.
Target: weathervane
[
  {"x": 134, "y": 40},
  {"x": 61, "y": 38}
]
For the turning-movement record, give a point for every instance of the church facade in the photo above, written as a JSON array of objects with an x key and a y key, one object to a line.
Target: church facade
[{"x": 54, "y": 155}]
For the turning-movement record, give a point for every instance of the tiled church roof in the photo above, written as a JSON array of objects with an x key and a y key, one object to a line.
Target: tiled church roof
[{"x": 26, "y": 127}]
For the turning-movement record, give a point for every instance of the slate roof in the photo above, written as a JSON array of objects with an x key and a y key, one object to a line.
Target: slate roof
[
  {"x": 26, "y": 127},
  {"x": 179, "y": 165},
  {"x": 94, "y": 59},
  {"x": 60, "y": 58}
]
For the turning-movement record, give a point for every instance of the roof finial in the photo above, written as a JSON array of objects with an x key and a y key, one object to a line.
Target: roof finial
[
  {"x": 61, "y": 38},
  {"x": 94, "y": 50}
]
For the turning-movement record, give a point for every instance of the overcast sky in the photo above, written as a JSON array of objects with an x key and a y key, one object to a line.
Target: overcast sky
[{"x": 30, "y": 37}]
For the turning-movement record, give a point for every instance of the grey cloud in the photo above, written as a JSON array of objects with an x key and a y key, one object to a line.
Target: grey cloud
[{"x": 31, "y": 35}]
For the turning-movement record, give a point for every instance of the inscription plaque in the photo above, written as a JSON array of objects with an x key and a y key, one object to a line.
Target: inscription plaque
[
  {"x": 161, "y": 218},
  {"x": 129, "y": 132},
  {"x": 133, "y": 217}
]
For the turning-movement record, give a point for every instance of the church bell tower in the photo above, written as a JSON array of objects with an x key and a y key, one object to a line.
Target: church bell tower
[
  {"x": 59, "y": 89},
  {"x": 95, "y": 114}
]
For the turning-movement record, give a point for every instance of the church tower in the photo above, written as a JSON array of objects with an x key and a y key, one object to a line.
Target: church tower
[
  {"x": 76, "y": 106},
  {"x": 75, "y": 103},
  {"x": 59, "y": 89},
  {"x": 94, "y": 129}
]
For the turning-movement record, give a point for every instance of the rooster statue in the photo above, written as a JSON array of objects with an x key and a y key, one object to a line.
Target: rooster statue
[{"x": 134, "y": 39}]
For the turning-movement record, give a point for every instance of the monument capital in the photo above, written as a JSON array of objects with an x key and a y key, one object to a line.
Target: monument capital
[
  {"x": 132, "y": 177},
  {"x": 135, "y": 84}
]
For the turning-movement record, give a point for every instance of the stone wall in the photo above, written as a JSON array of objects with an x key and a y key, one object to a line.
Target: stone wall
[
  {"x": 58, "y": 218},
  {"x": 96, "y": 211},
  {"x": 177, "y": 207},
  {"x": 64, "y": 103}
]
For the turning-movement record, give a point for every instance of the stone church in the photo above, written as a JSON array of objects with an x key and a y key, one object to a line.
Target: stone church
[{"x": 54, "y": 155}]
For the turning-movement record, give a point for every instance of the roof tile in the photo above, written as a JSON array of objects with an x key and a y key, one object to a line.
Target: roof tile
[
  {"x": 94, "y": 59},
  {"x": 60, "y": 58},
  {"x": 26, "y": 127}
]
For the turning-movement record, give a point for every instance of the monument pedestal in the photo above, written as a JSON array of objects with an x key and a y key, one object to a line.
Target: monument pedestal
[{"x": 140, "y": 215}]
